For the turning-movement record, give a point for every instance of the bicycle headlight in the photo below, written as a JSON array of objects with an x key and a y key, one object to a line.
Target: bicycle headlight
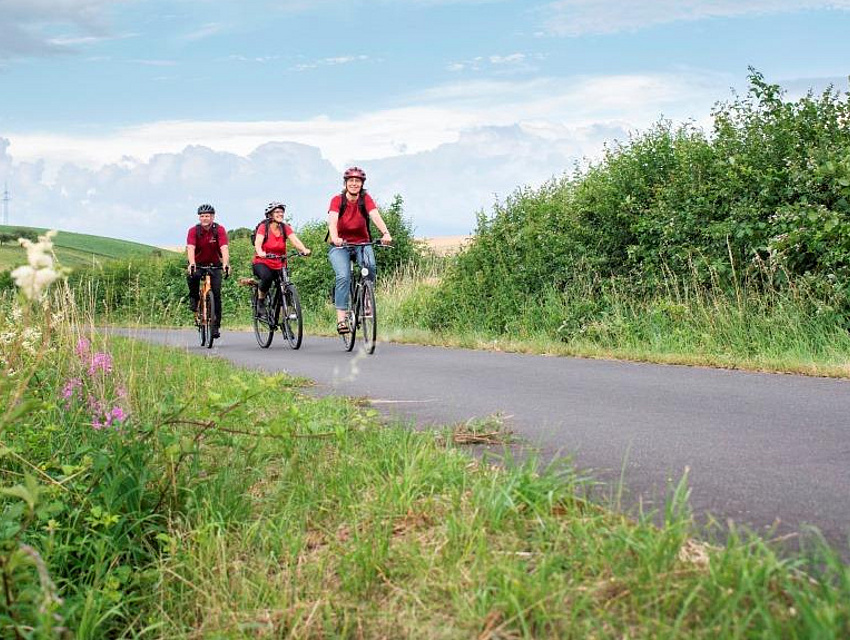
[{"x": 364, "y": 272}]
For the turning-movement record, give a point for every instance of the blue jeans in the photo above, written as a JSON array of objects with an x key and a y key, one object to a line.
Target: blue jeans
[{"x": 340, "y": 258}]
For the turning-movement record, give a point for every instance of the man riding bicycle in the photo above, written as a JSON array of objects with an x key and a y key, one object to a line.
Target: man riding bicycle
[
  {"x": 206, "y": 246},
  {"x": 349, "y": 214}
]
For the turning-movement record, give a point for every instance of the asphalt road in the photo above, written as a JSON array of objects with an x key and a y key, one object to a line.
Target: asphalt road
[{"x": 766, "y": 451}]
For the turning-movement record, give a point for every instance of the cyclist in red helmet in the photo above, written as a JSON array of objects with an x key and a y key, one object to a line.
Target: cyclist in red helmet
[{"x": 349, "y": 214}]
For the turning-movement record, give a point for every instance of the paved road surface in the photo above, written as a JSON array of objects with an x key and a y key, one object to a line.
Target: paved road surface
[{"x": 762, "y": 449}]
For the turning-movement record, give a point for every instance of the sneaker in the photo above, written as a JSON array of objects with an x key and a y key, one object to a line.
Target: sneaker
[
  {"x": 193, "y": 304},
  {"x": 215, "y": 333}
]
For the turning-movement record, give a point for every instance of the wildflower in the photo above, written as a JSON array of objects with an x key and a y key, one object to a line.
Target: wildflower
[
  {"x": 100, "y": 361},
  {"x": 68, "y": 390},
  {"x": 35, "y": 277},
  {"x": 82, "y": 347}
]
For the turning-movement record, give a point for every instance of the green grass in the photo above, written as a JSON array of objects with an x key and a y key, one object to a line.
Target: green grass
[
  {"x": 233, "y": 504},
  {"x": 76, "y": 249},
  {"x": 348, "y": 527}
]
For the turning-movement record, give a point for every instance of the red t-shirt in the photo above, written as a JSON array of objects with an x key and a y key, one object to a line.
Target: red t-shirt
[
  {"x": 207, "y": 244},
  {"x": 274, "y": 244},
  {"x": 352, "y": 226}
]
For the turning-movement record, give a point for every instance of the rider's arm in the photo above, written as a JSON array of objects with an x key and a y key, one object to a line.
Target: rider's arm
[
  {"x": 302, "y": 249},
  {"x": 258, "y": 244},
  {"x": 375, "y": 216},
  {"x": 190, "y": 255},
  {"x": 333, "y": 232}
]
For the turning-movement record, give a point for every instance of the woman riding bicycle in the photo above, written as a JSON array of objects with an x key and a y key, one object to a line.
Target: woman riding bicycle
[
  {"x": 349, "y": 214},
  {"x": 271, "y": 237}
]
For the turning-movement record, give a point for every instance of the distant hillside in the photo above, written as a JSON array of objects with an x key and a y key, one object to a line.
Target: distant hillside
[{"x": 72, "y": 249}]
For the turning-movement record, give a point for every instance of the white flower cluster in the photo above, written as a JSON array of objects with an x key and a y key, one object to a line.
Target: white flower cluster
[{"x": 35, "y": 277}]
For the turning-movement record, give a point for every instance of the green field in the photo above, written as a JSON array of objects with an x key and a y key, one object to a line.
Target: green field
[{"x": 74, "y": 249}]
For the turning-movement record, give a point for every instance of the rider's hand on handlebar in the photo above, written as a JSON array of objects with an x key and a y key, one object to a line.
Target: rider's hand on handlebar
[
  {"x": 190, "y": 269},
  {"x": 338, "y": 242},
  {"x": 226, "y": 271},
  {"x": 386, "y": 239},
  {"x": 306, "y": 252}
]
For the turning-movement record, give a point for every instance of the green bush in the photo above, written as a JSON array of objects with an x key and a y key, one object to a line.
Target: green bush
[{"x": 764, "y": 199}]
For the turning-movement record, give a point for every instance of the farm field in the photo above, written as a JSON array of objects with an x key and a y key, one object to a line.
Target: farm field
[{"x": 73, "y": 249}]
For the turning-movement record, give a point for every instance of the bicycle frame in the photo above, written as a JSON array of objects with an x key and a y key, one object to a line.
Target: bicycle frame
[
  {"x": 205, "y": 318},
  {"x": 362, "y": 308},
  {"x": 283, "y": 309}
]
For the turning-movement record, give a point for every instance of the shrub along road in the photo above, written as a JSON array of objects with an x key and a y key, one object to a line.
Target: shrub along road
[{"x": 767, "y": 451}]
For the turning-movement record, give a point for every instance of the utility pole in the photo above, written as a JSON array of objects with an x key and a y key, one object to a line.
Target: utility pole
[{"x": 6, "y": 199}]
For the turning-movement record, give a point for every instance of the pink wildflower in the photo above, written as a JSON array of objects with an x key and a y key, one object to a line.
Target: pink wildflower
[
  {"x": 100, "y": 360},
  {"x": 116, "y": 415},
  {"x": 82, "y": 347},
  {"x": 72, "y": 385}
]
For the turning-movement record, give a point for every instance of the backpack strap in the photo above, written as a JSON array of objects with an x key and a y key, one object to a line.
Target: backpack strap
[{"x": 266, "y": 224}]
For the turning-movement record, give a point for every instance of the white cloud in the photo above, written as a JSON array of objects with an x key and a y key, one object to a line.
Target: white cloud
[
  {"x": 23, "y": 28},
  {"x": 580, "y": 17},
  {"x": 204, "y": 31},
  {"x": 463, "y": 144},
  {"x": 329, "y": 62}
]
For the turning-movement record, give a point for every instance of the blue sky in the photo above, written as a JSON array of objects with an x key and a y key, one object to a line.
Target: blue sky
[{"x": 118, "y": 117}]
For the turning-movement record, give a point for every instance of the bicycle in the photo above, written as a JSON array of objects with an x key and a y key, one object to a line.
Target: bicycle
[
  {"x": 362, "y": 312},
  {"x": 283, "y": 308},
  {"x": 205, "y": 319}
]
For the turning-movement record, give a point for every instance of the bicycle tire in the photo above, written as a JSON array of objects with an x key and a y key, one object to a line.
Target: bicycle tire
[
  {"x": 262, "y": 330},
  {"x": 292, "y": 327},
  {"x": 351, "y": 319},
  {"x": 209, "y": 317},
  {"x": 368, "y": 314},
  {"x": 202, "y": 328}
]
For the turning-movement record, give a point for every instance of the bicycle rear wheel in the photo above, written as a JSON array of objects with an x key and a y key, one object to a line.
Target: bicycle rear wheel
[
  {"x": 209, "y": 318},
  {"x": 292, "y": 323},
  {"x": 368, "y": 316},
  {"x": 262, "y": 329}
]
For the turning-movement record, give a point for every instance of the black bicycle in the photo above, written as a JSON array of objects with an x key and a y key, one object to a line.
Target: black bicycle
[
  {"x": 205, "y": 318},
  {"x": 283, "y": 308},
  {"x": 362, "y": 312}
]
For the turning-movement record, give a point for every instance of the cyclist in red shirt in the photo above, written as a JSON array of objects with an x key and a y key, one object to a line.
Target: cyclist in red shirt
[
  {"x": 279, "y": 232},
  {"x": 206, "y": 246},
  {"x": 350, "y": 224}
]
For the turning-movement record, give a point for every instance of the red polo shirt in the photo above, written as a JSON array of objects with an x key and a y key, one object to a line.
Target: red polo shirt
[{"x": 207, "y": 244}]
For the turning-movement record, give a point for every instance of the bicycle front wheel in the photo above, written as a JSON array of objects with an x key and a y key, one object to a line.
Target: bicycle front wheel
[
  {"x": 202, "y": 327},
  {"x": 209, "y": 320},
  {"x": 368, "y": 316},
  {"x": 292, "y": 322},
  {"x": 262, "y": 329}
]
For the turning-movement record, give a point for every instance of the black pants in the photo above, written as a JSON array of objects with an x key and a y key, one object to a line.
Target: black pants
[
  {"x": 194, "y": 282},
  {"x": 266, "y": 276}
]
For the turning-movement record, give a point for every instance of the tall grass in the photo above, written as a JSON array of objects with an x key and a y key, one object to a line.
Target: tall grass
[{"x": 228, "y": 504}]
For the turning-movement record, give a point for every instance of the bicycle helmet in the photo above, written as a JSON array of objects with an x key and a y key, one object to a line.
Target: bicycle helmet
[
  {"x": 206, "y": 208},
  {"x": 354, "y": 172},
  {"x": 271, "y": 206}
]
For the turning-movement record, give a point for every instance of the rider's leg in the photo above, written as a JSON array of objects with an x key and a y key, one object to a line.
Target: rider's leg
[
  {"x": 194, "y": 283},
  {"x": 366, "y": 258},
  {"x": 265, "y": 276},
  {"x": 340, "y": 260},
  {"x": 215, "y": 283}
]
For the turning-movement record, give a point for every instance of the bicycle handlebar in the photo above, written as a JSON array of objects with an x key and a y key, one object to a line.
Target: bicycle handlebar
[
  {"x": 374, "y": 243},
  {"x": 277, "y": 256}
]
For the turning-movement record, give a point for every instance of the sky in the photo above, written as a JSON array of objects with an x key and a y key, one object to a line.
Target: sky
[{"x": 119, "y": 117}]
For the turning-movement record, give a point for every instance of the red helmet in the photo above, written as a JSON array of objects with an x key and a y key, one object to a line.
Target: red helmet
[{"x": 354, "y": 172}]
